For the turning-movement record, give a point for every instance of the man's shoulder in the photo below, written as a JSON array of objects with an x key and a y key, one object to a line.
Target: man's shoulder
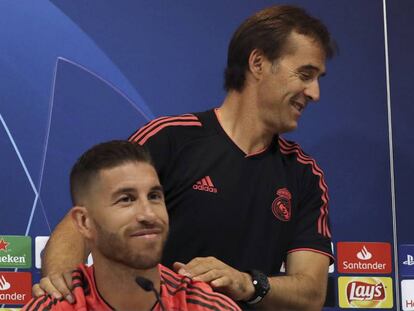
[
  {"x": 82, "y": 279},
  {"x": 192, "y": 295},
  {"x": 289, "y": 148},
  {"x": 47, "y": 302},
  {"x": 171, "y": 127},
  {"x": 293, "y": 154},
  {"x": 80, "y": 287}
]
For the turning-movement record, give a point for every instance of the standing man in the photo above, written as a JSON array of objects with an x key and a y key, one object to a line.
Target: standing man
[
  {"x": 119, "y": 209},
  {"x": 242, "y": 199}
]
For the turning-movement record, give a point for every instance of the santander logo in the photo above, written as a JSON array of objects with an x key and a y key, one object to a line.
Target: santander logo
[
  {"x": 364, "y": 257},
  {"x": 4, "y": 285},
  {"x": 364, "y": 254}
]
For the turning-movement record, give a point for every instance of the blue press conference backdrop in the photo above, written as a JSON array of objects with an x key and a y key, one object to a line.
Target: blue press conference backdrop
[{"x": 75, "y": 73}]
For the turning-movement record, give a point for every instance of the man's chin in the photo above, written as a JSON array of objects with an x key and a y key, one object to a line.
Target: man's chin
[
  {"x": 288, "y": 128},
  {"x": 145, "y": 262},
  {"x": 144, "y": 259},
  {"x": 140, "y": 261}
]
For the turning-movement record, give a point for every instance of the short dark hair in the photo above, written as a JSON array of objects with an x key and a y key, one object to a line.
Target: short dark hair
[
  {"x": 268, "y": 31},
  {"x": 103, "y": 156}
]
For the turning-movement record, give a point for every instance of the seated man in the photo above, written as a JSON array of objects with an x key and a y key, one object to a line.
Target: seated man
[{"x": 119, "y": 209}]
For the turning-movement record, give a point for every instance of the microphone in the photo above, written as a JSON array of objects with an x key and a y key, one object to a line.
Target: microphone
[{"x": 148, "y": 286}]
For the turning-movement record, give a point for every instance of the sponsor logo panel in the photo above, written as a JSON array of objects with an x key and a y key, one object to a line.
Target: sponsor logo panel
[
  {"x": 406, "y": 260},
  {"x": 365, "y": 292},
  {"x": 407, "y": 294},
  {"x": 15, "y": 287},
  {"x": 40, "y": 243},
  {"x": 15, "y": 251},
  {"x": 364, "y": 257},
  {"x": 332, "y": 266}
]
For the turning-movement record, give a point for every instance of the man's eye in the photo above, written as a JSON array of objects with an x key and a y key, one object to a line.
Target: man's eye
[
  {"x": 125, "y": 199},
  {"x": 155, "y": 196},
  {"x": 305, "y": 76}
]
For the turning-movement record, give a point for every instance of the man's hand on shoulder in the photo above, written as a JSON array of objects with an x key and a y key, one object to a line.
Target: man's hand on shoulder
[
  {"x": 223, "y": 278},
  {"x": 57, "y": 285},
  {"x": 58, "y": 262}
]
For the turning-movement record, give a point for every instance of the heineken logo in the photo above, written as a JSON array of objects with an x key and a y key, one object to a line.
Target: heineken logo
[
  {"x": 15, "y": 251},
  {"x": 13, "y": 259}
]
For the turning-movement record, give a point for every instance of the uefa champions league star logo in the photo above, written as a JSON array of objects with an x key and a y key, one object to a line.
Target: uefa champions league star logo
[{"x": 409, "y": 261}]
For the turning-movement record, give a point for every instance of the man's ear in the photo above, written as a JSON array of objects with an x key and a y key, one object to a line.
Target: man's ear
[
  {"x": 83, "y": 221},
  {"x": 256, "y": 63}
]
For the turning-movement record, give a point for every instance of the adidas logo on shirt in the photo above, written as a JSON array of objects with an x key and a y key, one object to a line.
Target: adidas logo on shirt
[{"x": 205, "y": 184}]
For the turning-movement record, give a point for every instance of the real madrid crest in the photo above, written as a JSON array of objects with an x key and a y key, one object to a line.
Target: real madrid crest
[{"x": 281, "y": 206}]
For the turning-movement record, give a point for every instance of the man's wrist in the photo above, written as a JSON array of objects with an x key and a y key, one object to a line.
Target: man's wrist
[
  {"x": 260, "y": 283},
  {"x": 248, "y": 288}
]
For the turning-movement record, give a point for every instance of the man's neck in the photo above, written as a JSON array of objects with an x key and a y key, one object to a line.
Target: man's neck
[
  {"x": 117, "y": 286},
  {"x": 240, "y": 119}
]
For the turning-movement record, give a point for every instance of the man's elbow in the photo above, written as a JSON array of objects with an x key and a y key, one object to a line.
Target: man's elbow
[{"x": 316, "y": 299}]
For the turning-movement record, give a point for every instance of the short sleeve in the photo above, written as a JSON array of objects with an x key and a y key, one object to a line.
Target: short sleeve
[{"x": 312, "y": 227}]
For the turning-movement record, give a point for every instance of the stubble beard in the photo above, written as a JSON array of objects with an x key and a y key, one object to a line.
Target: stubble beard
[{"x": 114, "y": 247}]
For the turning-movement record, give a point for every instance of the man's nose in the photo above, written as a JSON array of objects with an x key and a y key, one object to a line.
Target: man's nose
[
  {"x": 145, "y": 212},
  {"x": 312, "y": 91}
]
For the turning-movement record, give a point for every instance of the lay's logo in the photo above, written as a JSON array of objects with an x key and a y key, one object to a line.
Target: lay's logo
[
  {"x": 365, "y": 292},
  {"x": 361, "y": 291}
]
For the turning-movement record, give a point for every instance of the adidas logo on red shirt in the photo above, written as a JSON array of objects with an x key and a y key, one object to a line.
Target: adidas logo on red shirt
[{"x": 205, "y": 184}]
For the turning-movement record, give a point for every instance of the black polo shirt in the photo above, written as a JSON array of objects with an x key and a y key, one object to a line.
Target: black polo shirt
[{"x": 249, "y": 211}]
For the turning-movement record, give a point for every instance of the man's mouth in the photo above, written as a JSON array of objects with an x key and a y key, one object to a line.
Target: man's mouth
[
  {"x": 299, "y": 106},
  {"x": 147, "y": 233}
]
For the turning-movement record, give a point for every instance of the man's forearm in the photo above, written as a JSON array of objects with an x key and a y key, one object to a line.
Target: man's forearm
[
  {"x": 65, "y": 249},
  {"x": 303, "y": 288},
  {"x": 294, "y": 292}
]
